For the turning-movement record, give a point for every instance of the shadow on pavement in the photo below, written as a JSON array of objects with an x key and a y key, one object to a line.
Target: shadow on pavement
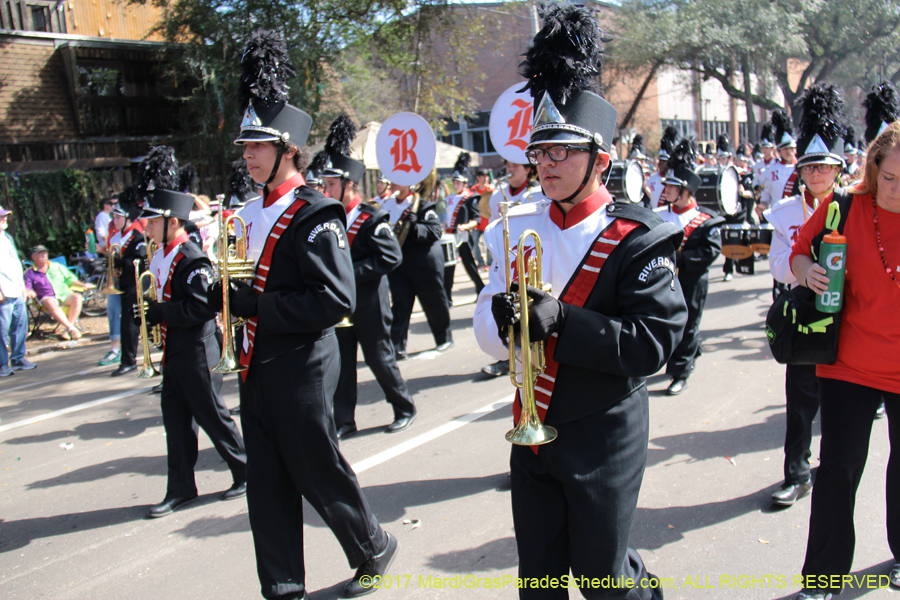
[
  {"x": 494, "y": 555},
  {"x": 116, "y": 429}
]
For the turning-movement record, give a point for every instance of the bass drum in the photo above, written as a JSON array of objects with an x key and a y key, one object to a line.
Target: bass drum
[
  {"x": 626, "y": 180},
  {"x": 720, "y": 190}
]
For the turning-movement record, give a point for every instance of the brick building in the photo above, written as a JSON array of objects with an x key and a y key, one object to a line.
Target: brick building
[{"x": 80, "y": 84}]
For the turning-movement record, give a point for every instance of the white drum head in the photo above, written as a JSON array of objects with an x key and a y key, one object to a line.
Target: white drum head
[
  {"x": 405, "y": 148},
  {"x": 729, "y": 187},
  {"x": 510, "y": 126},
  {"x": 634, "y": 181}
]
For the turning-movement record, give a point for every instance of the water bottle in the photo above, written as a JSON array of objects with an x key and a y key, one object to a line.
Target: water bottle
[
  {"x": 90, "y": 241},
  {"x": 833, "y": 258}
]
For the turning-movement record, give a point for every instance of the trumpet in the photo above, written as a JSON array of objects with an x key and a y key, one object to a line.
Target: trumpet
[
  {"x": 233, "y": 263},
  {"x": 147, "y": 370},
  {"x": 529, "y": 431},
  {"x": 401, "y": 229},
  {"x": 112, "y": 253}
]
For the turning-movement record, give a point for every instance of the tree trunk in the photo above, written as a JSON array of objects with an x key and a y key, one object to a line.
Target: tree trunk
[
  {"x": 640, "y": 95},
  {"x": 748, "y": 102}
]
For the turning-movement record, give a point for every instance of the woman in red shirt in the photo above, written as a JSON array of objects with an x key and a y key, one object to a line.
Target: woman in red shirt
[{"x": 867, "y": 369}]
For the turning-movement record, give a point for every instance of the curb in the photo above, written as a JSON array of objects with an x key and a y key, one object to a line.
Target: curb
[{"x": 70, "y": 345}]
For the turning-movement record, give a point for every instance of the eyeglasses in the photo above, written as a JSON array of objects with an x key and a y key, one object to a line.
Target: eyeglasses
[
  {"x": 556, "y": 153},
  {"x": 810, "y": 169}
]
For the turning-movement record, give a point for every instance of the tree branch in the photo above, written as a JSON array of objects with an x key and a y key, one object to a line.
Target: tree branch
[{"x": 736, "y": 92}]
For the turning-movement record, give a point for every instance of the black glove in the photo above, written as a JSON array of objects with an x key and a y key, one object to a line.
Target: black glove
[
  {"x": 244, "y": 301},
  {"x": 545, "y": 314},
  {"x": 119, "y": 262},
  {"x": 412, "y": 218},
  {"x": 503, "y": 307},
  {"x": 214, "y": 297},
  {"x": 154, "y": 312}
]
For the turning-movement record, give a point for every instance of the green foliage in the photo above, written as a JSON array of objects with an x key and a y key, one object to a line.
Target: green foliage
[{"x": 53, "y": 208}]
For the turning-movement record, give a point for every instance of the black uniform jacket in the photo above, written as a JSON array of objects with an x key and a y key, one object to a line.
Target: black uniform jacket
[
  {"x": 187, "y": 315},
  {"x": 629, "y": 326},
  {"x": 375, "y": 250},
  {"x": 422, "y": 236},
  {"x": 309, "y": 287},
  {"x": 701, "y": 248},
  {"x": 135, "y": 249}
]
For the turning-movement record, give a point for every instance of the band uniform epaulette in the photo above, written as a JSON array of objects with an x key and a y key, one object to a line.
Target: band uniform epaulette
[
  {"x": 634, "y": 212},
  {"x": 372, "y": 209}
]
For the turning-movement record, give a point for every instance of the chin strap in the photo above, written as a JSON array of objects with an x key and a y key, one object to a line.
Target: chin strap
[
  {"x": 165, "y": 238},
  {"x": 592, "y": 152},
  {"x": 278, "y": 156}
]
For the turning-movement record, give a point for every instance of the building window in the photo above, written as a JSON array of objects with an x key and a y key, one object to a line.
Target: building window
[
  {"x": 39, "y": 18},
  {"x": 711, "y": 129},
  {"x": 100, "y": 78},
  {"x": 470, "y": 133},
  {"x": 684, "y": 127}
]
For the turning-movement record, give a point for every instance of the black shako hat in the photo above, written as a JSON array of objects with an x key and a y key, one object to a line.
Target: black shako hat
[
  {"x": 128, "y": 206},
  {"x": 882, "y": 108},
  {"x": 337, "y": 150},
  {"x": 157, "y": 181},
  {"x": 266, "y": 72},
  {"x": 668, "y": 142},
  {"x": 681, "y": 168},
  {"x": 168, "y": 203},
  {"x": 561, "y": 67},
  {"x": 461, "y": 167},
  {"x": 784, "y": 129},
  {"x": 820, "y": 133}
]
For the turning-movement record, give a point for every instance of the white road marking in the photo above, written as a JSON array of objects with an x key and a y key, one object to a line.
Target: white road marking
[{"x": 71, "y": 409}]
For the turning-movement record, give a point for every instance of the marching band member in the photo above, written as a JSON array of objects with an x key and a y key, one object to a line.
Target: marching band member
[
  {"x": 778, "y": 174},
  {"x": 655, "y": 183},
  {"x": 462, "y": 217},
  {"x": 766, "y": 147},
  {"x": 608, "y": 326},
  {"x": 851, "y": 164},
  {"x": 304, "y": 286},
  {"x": 421, "y": 274},
  {"x": 382, "y": 190},
  {"x": 191, "y": 393},
  {"x": 820, "y": 146},
  {"x": 132, "y": 245},
  {"x": 518, "y": 189},
  {"x": 375, "y": 253},
  {"x": 636, "y": 152},
  {"x": 700, "y": 245},
  {"x": 484, "y": 188}
]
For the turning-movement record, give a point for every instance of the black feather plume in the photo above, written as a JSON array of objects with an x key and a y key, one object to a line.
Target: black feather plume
[
  {"x": 319, "y": 161},
  {"x": 159, "y": 169},
  {"x": 266, "y": 70},
  {"x": 340, "y": 135},
  {"x": 882, "y": 106},
  {"x": 709, "y": 149},
  {"x": 564, "y": 56},
  {"x": 783, "y": 124},
  {"x": 187, "y": 178},
  {"x": 768, "y": 132},
  {"x": 669, "y": 139},
  {"x": 757, "y": 149},
  {"x": 723, "y": 144},
  {"x": 682, "y": 156},
  {"x": 462, "y": 162},
  {"x": 127, "y": 198},
  {"x": 240, "y": 184},
  {"x": 822, "y": 112},
  {"x": 637, "y": 144}
]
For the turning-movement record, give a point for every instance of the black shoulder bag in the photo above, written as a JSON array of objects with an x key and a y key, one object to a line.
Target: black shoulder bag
[{"x": 798, "y": 333}]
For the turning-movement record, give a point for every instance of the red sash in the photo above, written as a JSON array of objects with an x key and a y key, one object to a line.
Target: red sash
[
  {"x": 576, "y": 294},
  {"x": 262, "y": 271},
  {"x": 354, "y": 227},
  {"x": 452, "y": 227},
  {"x": 167, "y": 295},
  {"x": 694, "y": 224},
  {"x": 789, "y": 186}
]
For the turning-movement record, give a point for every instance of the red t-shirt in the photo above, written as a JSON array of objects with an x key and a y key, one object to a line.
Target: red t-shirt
[{"x": 869, "y": 343}]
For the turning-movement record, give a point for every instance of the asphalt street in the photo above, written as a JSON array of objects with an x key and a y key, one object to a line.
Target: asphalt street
[{"x": 82, "y": 458}]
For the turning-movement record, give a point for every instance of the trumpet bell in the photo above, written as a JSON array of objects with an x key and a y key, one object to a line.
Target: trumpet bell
[
  {"x": 228, "y": 363},
  {"x": 531, "y": 432},
  {"x": 110, "y": 290},
  {"x": 148, "y": 371},
  {"x": 345, "y": 322}
]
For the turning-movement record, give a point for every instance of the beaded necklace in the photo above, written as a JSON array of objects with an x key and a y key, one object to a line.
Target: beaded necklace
[{"x": 880, "y": 245}]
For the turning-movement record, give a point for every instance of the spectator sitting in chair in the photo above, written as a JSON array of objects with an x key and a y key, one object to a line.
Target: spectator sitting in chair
[{"x": 50, "y": 283}]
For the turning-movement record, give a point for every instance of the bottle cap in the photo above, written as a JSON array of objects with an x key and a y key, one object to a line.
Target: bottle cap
[{"x": 834, "y": 238}]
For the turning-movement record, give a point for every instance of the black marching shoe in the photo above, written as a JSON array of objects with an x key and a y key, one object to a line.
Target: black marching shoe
[
  {"x": 401, "y": 355},
  {"x": 445, "y": 346},
  {"x": 346, "y": 430},
  {"x": 879, "y": 414},
  {"x": 371, "y": 571},
  {"x": 168, "y": 506},
  {"x": 402, "y": 422},
  {"x": 237, "y": 490},
  {"x": 157, "y": 389},
  {"x": 497, "y": 369},
  {"x": 676, "y": 387},
  {"x": 122, "y": 370},
  {"x": 895, "y": 575},
  {"x": 790, "y": 493}
]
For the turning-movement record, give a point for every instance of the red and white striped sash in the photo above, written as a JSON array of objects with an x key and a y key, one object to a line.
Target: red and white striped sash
[
  {"x": 262, "y": 272},
  {"x": 577, "y": 293},
  {"x": 354, "y": 227},
  {"x": 452, "y": 227},
  {"x": 167, "y": 295},
  {"x": 694, "y": 224}
]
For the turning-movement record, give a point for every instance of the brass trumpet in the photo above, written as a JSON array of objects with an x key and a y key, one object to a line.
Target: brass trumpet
[
  {"x": 112, "y": 253},
  {"x": 147, "y": 369},
  {"x": 233, "y": 263},
  {"x": 529, "y": 431}
]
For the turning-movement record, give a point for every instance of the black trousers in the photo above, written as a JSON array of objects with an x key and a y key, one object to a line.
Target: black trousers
[
  {"x": 801, "y": 389},
  {"x": 373, "y": 335},
  {"x": 574, "y": 501},
  {"x": 192, "y": 396},
  {"x": 292, "y": 452},
  {"x": 848, "y": 410},
  {"x": 468, "y": 261},
  {"x": 695, "y": 290},
  {"x": 422, "y": 278},
  {"x": 128, "y": 329}
]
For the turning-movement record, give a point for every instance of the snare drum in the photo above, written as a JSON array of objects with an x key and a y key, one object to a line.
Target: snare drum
[
  {"x": 760, "y": 238},
  {"x": 448, "y": 249},
  {"x": 736, "y": 241},
  {"x": 626, "y": 180},
  {"x": 720, "y": 189}
]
